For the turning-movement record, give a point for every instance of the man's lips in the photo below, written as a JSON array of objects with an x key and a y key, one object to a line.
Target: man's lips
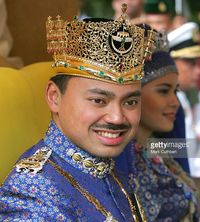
[{"x": 110, "y": 137}]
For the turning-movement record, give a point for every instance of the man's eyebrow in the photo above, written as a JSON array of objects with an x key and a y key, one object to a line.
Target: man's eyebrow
[
  {"x": 111, "y": 95},
  {"x": 136, "y": 93},
  {"x": 103, "y": 92}
]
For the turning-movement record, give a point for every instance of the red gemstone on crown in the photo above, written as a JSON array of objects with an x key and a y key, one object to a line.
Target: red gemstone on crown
[{"x": 120, "y": 67}]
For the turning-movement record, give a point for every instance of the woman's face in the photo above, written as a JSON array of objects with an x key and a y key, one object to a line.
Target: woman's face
[{"x": 159, "y": 104}]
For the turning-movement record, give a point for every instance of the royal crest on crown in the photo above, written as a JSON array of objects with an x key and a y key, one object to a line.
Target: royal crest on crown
[{"x": 112, "y": 51}]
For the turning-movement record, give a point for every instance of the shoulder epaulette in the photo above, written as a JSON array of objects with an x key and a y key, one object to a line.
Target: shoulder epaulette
[{"x": 34, "y": 163}]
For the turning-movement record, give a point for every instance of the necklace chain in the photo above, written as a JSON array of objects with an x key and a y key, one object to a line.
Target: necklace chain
[
  {"x": 96, "y": 202},
  {"x": 139, "y": 218}
]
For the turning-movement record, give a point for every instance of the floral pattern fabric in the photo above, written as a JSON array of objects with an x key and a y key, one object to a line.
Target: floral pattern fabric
[
  {"x": 48, "y": 196},
  {"x": 164, "y": 190}
]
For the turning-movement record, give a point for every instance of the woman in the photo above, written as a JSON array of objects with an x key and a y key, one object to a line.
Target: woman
[{"x": 163, "y": 188}]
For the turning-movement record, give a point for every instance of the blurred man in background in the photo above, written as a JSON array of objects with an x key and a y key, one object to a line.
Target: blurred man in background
[{"x": 158, "y": 14}]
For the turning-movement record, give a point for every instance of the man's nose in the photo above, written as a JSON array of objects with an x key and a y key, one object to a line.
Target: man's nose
[{"x": 115, "y": 115}]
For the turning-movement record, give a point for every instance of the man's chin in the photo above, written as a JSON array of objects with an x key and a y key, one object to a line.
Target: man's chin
[{"x": 111, "y": 152}]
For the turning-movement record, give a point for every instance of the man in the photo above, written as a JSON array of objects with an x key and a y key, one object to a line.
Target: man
[
  {"x": 95, "y": 104},
  {"x": 158, "y": 14},
  {"x": 186, "y": 50}
]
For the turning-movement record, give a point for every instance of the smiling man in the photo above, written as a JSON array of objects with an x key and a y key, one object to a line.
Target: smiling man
[
  {"x": 102, "y": 117},
  {"x": 94, "y": 99}
]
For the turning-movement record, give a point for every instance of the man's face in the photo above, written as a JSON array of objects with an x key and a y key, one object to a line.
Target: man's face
[
  {"x": 160, "y": 22},
  {"x": 189, "y": 72},
  {"x": 98, "y": 117}
]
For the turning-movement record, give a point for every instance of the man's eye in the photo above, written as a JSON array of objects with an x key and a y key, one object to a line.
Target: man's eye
[
  {"x": 131, "y": 102},
  {"x": 98, "y": 101}
]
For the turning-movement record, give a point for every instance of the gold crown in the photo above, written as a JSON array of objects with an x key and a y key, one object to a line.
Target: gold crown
[{"x": 112, "y": 51}]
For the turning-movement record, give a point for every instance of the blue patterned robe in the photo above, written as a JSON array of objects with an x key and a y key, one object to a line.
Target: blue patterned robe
[
  {"x": 48, "y": 196},
  {"x": 166, "y": 193}
]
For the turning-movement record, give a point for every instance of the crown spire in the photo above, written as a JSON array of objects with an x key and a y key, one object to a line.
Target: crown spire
[{"x": 124, "y": 8}]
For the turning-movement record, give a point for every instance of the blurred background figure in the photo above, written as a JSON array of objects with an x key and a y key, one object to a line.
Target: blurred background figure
[
  {"x": 158, "y": 14},
  {"x": 182, "y": 13},
  {"x": 177, "y": 21},
  {"x": 25, "y": 40},
  {"x": 171, "y": 13},
  {"x": 112, "y": 9},
  {"x": 6, "y": 41},
  {"x": 186, "y": 51}
]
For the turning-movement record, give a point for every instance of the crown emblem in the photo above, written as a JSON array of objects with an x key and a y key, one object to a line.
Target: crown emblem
[
  {"x": 107, "y": 50},
  {"x": 121, "y": 42}
]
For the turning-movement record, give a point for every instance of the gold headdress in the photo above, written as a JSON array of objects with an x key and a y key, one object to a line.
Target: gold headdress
[{"x": 112, "y": 51}]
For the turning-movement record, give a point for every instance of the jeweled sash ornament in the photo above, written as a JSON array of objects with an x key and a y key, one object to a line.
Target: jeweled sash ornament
[{"x": 106, "y": 50}]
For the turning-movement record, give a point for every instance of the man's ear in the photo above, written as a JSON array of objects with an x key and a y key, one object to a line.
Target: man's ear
[{"x": 53, "y": 96}]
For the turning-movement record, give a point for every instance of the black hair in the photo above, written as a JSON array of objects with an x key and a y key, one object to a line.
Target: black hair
[
  {"x": 97, "y": 20},
  {"x": 61, "y": 81}
]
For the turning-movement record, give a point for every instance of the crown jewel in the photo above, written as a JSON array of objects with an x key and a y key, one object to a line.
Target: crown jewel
[{"x": 107, "y": 50}]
